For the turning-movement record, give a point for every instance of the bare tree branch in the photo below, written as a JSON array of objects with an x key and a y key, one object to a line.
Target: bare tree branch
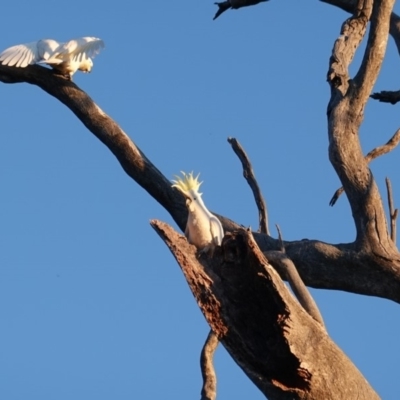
[
  {"x": 345, "y": 114},
  {"x": 131, "y": 158},
  {"x": 321, "y": 265},
  {"x": 248, "y": 174},
  {"x": 280, "y": 261},
  {"x": 279, "y": 346},
  {"x": 234, "y": 4},
  {"x": 392, "y": 211},
  {"x": 350, "y": 6},
  {"x": 351, "y": 34},
  {"x": 209, "y": 389},
  {"x": 336, "y": 196},
  {"x": 374, "y": 53},
  {"x": 377, "y": 152},
  {"x": 387, "y": 96}
]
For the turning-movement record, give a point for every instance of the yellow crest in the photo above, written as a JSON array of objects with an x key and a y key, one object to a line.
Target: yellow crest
[{"x": 187, "y": 183}]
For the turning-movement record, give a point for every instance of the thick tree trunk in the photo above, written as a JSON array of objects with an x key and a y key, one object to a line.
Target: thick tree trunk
[{"x": 282, "y": 349}]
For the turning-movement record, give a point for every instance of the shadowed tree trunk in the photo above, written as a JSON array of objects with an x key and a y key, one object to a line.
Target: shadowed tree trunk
[{"x": 284, "y": 349}]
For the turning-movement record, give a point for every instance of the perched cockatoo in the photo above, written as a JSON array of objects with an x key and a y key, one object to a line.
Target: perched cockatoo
[
  {"x": 66, "y": 57},
  {"x": 203, "y": 229}
]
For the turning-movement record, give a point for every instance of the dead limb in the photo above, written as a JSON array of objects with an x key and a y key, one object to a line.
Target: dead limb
[
  {"x": 392, "y": 211},
  {"x": 385, "y": 96},
  {"x": 209, "y": 389},
  {"x": 350, "y": 7},
  {"x": 374, "y": 271},
  {"x": 234, "y": 4},
  {"x": 281, "y": 262},
  {"x": 377, "y": 152},
  {"x": 281, "y": 348},
  {"x": 248, "y": 174}
]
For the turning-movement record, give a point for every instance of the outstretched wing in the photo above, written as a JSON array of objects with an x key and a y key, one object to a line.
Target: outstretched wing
[
  {"x": 80, "y": 49},
  {"x": 217, "y": 232},
  {"x": 20, "y": 55},
  {"x": 46, "y": 48}
]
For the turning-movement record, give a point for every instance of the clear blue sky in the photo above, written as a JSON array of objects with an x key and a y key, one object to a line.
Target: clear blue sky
[{"x": 92, "y": 304}]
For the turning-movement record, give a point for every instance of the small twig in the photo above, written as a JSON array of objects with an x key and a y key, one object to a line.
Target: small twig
[
  {"x": 377, "y": 152},
  {"x": 282, "y": 246},
  {"x": 392, "y": 211},
  {"x": 336, "y": 196},
  {"x": 386, "y": 148},
  {"x": 248, "y": 174},
  {"x": 209, "y": 389},
  {"x": 286, "y": 265}
]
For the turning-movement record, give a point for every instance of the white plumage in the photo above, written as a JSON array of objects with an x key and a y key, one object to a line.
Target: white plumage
[
  {"x": 203, "y": 229},
  {"x": 66, "y": 57}
]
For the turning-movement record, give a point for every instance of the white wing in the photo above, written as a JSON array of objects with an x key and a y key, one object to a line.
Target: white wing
[
  {"x": 80, "y": 49},
  {"x": 46, "y": 48},
  {"x": 21, "y": 55},
  {"x": 217, "y": 232}
]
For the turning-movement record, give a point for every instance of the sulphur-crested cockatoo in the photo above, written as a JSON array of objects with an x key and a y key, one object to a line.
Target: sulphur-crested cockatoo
[
  {"x": 66, "y": 57},
  {"x": 203, "y": 229}
]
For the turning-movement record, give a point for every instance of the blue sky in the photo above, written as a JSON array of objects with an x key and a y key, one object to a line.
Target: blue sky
[{"x": 92, "y": 304}]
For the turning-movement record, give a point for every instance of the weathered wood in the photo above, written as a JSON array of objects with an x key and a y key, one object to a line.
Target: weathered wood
[{"x": 281, "y": 348}]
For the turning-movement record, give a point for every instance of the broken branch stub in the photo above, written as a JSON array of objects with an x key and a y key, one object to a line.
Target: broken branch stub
[{"x": 283, "y": 350}]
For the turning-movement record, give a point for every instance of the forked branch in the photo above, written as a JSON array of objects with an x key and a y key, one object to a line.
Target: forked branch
[
  {"x": 345, "y": 114},
  {"x": 350, "y": 7},
  {"x": 377, "y": 152},
  {"x": 320, "y": 264}
]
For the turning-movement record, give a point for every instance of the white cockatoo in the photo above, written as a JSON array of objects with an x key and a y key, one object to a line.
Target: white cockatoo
[
  {"x": 203, "y": 229},
  {"x": 66, "y": 57}
]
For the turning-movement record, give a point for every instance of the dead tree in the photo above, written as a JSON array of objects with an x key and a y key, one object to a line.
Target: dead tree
[{"x": 280, "y": 345}]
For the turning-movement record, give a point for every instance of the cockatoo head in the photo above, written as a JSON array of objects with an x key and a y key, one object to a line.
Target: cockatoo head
[
  {"x": 86, "y": 65},
  {"x": 189, "y": 185}
]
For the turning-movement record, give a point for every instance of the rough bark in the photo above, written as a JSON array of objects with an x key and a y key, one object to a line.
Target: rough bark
[
  {"x": 281, "y": 348},
  {"x": 209, "y": 389},
  {"x": 350, "y": 7}
]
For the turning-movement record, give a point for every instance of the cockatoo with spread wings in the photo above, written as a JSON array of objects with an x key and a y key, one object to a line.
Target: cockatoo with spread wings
[
  {"x": 66, "y": 57},
  {"x": 203, "y": 229}
]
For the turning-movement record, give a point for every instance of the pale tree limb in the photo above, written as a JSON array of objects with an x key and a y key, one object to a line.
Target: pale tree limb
[
  {"x": 377, "y": 152},
  {"x": 350, "y": 7},
  {"x": 250, "y": 177},
  {"x": 345, "y": 114},
  {"x": 279, "y": 346},
  {"x": 209, "y": 389},
  {"x": 392, "y": 211},
  {"x": 282, "y": 349},
  {"x": 280, "y": 261},
  {"x": 321, "y": 265}
]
